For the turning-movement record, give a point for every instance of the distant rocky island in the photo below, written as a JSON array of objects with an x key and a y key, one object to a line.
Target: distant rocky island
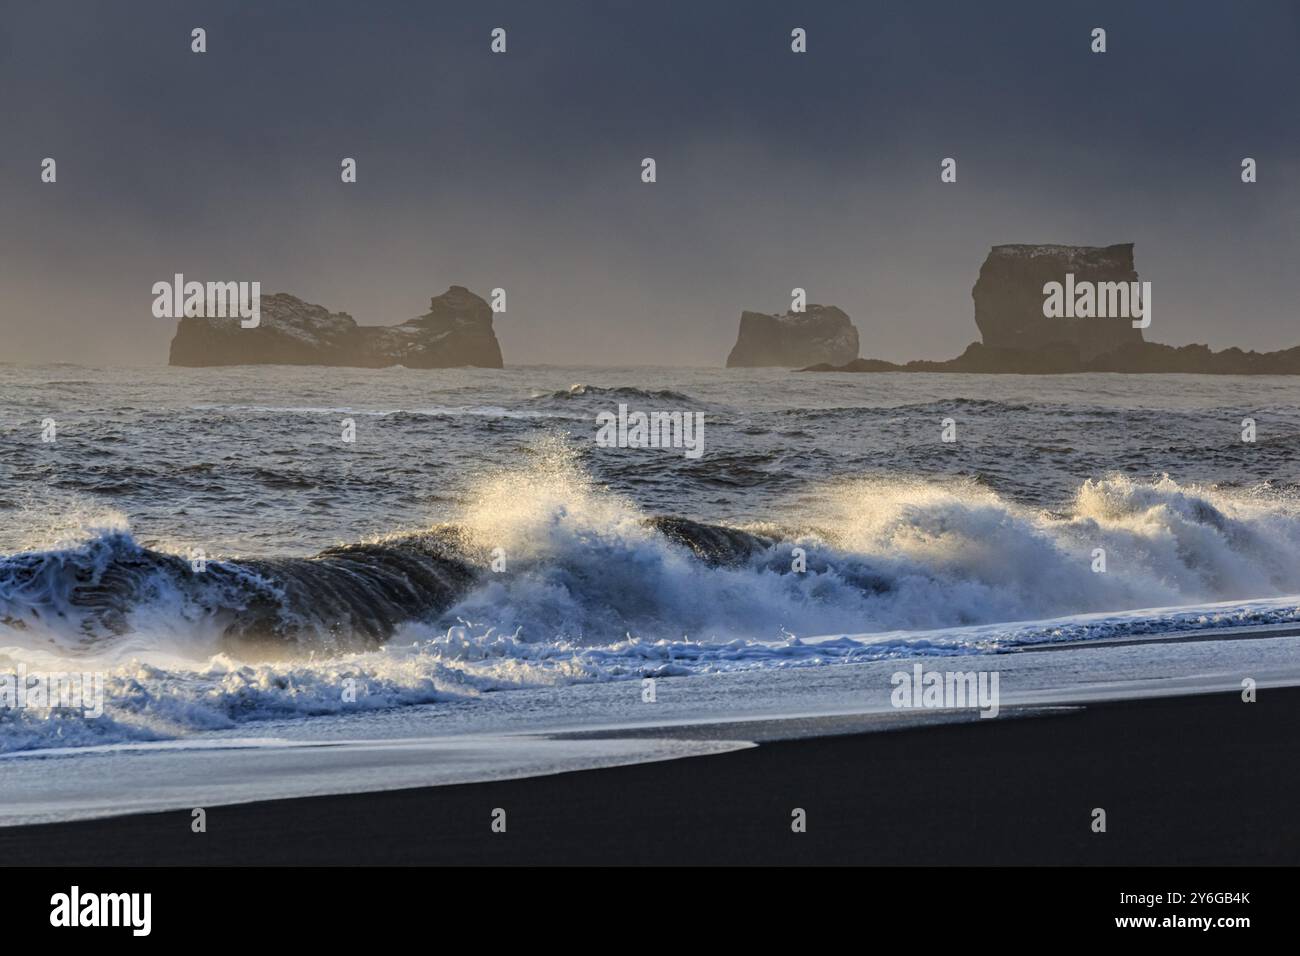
[
  {"x": 821, "y": 333},
  {"x": 1018, "y": 338},
  {"x": 457, "y": 330}
]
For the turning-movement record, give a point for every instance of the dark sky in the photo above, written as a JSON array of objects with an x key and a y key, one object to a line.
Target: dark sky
[{"x": 523, "y": 170}]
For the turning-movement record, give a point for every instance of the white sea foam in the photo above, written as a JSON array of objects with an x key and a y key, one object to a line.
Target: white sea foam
[{"x": 591, "y": 593}]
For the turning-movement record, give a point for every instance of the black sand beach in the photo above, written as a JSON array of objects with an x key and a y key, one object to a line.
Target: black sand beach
[{"x": 1205, "y": 780}]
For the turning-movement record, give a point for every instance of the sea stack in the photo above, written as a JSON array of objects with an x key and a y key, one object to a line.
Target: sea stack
[
  {"x": 1009, "y": 299},
  {"x": 457, "y": 330},
  {"x": 822, "y": 333},
  {"x": 1019, "y": 336}
]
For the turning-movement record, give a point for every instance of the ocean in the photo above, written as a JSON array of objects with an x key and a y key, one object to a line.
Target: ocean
[{"x": 490, "y": 568}]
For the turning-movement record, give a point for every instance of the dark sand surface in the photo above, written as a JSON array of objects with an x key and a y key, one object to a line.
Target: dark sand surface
[{"x": 1190, "y": 780}]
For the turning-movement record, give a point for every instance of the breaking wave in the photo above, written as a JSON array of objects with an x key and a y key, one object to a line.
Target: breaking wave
[
  {"x": 547, "y": 578},
  {"x": 624, "y": 393},
  {"x": 546, "y": 552}
]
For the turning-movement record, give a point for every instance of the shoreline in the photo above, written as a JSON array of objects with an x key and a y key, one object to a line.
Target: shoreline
[{"x": 1196, "y": 780}]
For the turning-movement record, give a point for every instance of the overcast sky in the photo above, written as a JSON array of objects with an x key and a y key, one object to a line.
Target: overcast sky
[{"x": 522, "y": 170}]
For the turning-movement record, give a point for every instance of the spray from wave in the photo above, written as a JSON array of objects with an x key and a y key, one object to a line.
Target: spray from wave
[
  {"x": 546, "y": 552},
  {"x": 566, "y": 582}
]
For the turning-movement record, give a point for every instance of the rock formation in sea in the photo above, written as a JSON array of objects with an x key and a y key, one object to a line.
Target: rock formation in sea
[
  {"x": 457, "y": 330},
  {"x": 1144, "y": 357},
  {"x": 1019, "y": 338},
  {"x": 1009, "y": 298},
  {"x": 822, "y": 333}
]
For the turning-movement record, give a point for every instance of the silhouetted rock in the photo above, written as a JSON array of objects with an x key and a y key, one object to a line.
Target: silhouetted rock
[
  {"x": 1198, "y": 359},
  {"x": 1019, "y": 338},
  {"x": 857, "y": 365},
  {"x": 1009, "y": 297},
  {"x": 457, "y": 330},
  {"x": 1142, "y": 357},
  {"x": 823, "y": 333}
]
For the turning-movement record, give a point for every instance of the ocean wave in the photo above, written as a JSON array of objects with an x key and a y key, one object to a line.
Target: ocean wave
[
  {"x": 426, "y": 666},
  {"x": 622, "y": 393},
  {"x": 435, "y": 411},
  {"x": 547, "y": 579},
  {"x": 546, "y": 552},
  {"x": 944, "y": 406}
]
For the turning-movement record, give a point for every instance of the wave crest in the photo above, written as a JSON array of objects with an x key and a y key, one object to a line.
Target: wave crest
[{"x": 546, "y": 553}]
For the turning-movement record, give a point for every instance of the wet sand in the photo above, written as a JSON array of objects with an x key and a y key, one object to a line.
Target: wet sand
[{"x": 1191, "y": 780}]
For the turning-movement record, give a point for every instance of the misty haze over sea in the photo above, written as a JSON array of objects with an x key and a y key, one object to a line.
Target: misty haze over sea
[{"x": 521, "y": 170}]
